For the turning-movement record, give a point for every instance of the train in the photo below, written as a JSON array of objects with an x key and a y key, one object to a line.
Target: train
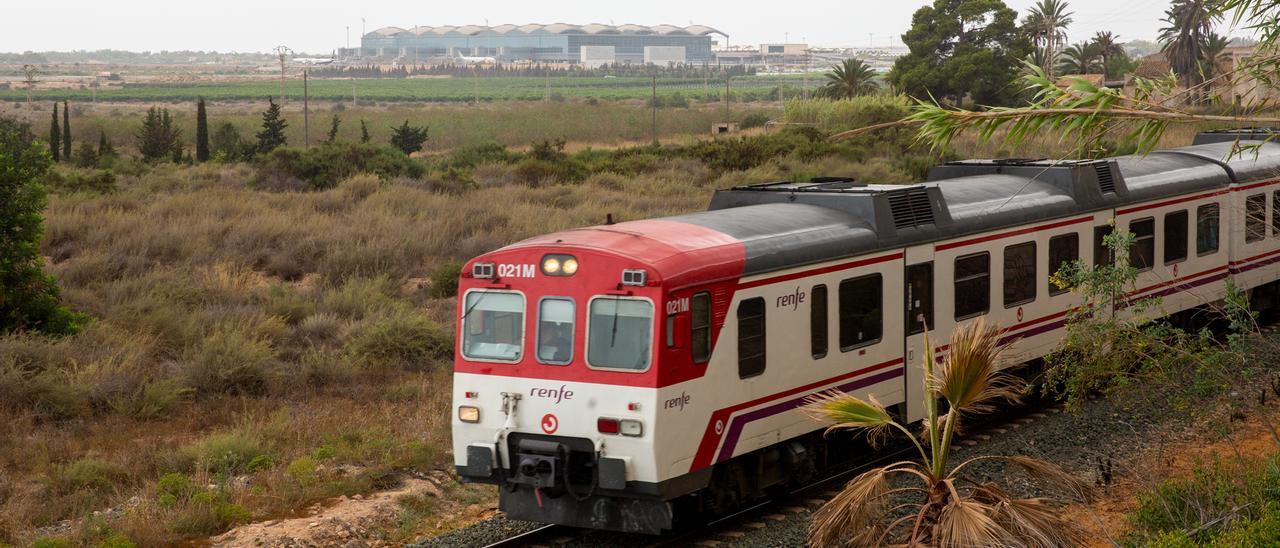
[{"x": 621, "y": 376}]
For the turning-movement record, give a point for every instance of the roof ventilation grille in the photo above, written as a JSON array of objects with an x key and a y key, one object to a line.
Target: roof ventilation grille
[
  {"x": 910, "y": 208},
  {"x": 1106, "y": 181}
]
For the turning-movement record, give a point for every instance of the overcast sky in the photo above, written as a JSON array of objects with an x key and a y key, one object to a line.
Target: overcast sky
[{"x": 319, "y": 26}]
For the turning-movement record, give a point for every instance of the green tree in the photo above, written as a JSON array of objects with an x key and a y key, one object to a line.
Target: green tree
[
  {"x": 1214, "y": 45},
  {"x": 850, "y": 78},
  {"x": 228, "y": 145},
  {"x": 961, "y": 49},
  {"x": 1079, "y": 58},
  {"x": 408, "y": 138},
  {"x": 272, "y": 135},
  {"x": 104, "y": 146},
  {"x": 55, "y": 136},
  {"x": 66, "y": 130},
  {"x": 364, "y": 132},
  {"x": 1046, "y": 24},
  {"x": 159, "y": 138},
  {"x": 202, "y": 132},
  {"x": 1108, "y": 48},
  {"x": 1189, "y": 24},
  {"x": 28, "y": 297},
  {"x": 333, "y": 129}
]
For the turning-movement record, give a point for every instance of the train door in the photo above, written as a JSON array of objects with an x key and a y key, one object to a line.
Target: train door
[{"x": 919, "y": 293}]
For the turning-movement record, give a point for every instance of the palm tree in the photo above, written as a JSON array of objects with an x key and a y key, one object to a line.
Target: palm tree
[
  {"x": 1182, "y": 41},
  {"x": 1107, "y": 45},
  {"x": 947, "y": 508},
  {"x": 1213, "y": 47},
  {"x": 850, "y": 78},
  {"x": 1079, "y": 58},
  {"x": 1046, "y": 24}
]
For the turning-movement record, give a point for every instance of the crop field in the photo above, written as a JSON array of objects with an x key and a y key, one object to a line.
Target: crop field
[{"x": 440, "y": 89}]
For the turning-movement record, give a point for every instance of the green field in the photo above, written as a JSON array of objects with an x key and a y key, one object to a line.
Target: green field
[{"x": 444, "y": 89}]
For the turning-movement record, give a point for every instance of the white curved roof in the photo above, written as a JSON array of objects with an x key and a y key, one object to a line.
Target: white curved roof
[{"x": 554, "y": 28}]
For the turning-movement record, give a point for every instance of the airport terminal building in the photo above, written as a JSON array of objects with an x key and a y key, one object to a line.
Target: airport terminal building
[{"x": 555, "y": 43}]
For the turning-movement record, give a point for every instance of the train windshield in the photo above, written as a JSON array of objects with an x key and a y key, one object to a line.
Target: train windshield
[
  {"x": 493, "y": 326},
  {"x": 620, "y": 332}
]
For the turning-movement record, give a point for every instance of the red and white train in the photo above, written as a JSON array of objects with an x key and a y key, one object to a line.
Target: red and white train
[{"x": 612, "y": 376}]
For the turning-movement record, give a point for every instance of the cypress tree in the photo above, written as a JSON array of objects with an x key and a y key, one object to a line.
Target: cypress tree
[
  {"x": 104, "y": 146},
  {"x": 55, "y": 136},
  {"x": 202, "y": 132},
  {"x": 66, "y": 131},
  {"x": 272, "y": 135},
  {"x": 333, "y": 129},
  {"x": 364, "y": 132}
]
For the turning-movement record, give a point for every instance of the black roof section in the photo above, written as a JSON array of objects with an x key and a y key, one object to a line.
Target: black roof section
[
  {"x": 1231, "y": 135},
  {"x": 789, "y": 224}
]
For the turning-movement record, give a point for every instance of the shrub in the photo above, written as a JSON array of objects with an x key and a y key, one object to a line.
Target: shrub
[
  {"x": 90, "y": 474},
  {"x": 228, "y": 361},
  {"x": 754, "y": 120},
  {"x": 322, "y": 167},
  {"x": 303, "y": 470},
  {"x": 229, "y": 452},
  {"x": 176, "y": 486},
  {"x": 444, "y": 281},
  {"x": 99, "y": 181},
  {"x": 404, "y": 339}
]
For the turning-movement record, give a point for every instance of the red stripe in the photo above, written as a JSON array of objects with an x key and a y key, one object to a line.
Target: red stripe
[
  {"x": 1255, "y": 185},
  {"x": 711, "y": 440},
  {"x": 1170, "y": 202},
  {"x": 818, "y": 271},
  {"x": 1010, "y": 234},
  {"x": 1175, "y": 281},
  {"x": 1254, "y": 258},
  {"x": 1023, "y": 325}
]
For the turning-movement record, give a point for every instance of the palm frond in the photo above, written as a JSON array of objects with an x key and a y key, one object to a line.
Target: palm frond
[
  {"x": 1029, "y": 522},
  {"x": 966, "y": 523},
  {"x": 970, "y": 379},
  {"x": 849, "y": 412},
  {"x": 1051, "y": 476},
  {"x": 855, "y": 512}
]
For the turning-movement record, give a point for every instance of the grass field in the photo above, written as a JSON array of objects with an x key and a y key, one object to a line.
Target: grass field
[{"x": 444, "y": 89}]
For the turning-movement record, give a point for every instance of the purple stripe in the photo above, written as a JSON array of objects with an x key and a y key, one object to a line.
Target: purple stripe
[
  {"x": 1178, "y": 288},
  {"x": 1258, "y": 264},
  {"x": 737, "y": 423}
]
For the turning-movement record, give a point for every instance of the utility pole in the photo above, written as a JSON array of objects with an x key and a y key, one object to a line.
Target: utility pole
[
  {"x": 306, "y": 112},
  {"x": 283, "y": 52},
  {"x": 655, "y": 108}
]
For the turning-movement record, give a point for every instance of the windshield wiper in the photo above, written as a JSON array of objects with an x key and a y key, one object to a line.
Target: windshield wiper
[{"x": 613, "y": 334}]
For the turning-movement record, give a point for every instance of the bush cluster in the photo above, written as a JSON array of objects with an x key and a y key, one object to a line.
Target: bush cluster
[{"x": 321, "y": 168}]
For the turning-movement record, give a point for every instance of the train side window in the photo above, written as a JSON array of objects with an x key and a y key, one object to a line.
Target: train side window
[
  {"x": 1142, "y": 253},
  {"x": 1255, "y": 218},
  {"x": 1019, "y": 274},
  {"x": 1275, "y": 213},
  {"x": 700, "y": 327},
  {"x": 1102, "y": 255},
  {"x": 973, "y": 285},
  {"x": 1207, "y": 224},
  {"x": 555, "y": 330},
  {"x": 861, "y": 313},
  {"x": 1063, "y": 250},
  {"x": 818, "y": 331},
  {"x": 1175, "y": 237},
  {"x": 751, "y": 337}
]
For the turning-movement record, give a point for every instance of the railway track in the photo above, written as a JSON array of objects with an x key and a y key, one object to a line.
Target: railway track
[{"x": 757, "y": 515}]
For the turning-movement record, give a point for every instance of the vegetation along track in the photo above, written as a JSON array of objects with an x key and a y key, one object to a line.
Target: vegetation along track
[{"x": 713, "y": 530}]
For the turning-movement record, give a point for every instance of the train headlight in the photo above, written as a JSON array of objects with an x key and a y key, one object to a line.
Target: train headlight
[
  {"x": 629, "y": 427},
  {"x": 559, "y": 265},
  {"x": 469, "y": 413}
]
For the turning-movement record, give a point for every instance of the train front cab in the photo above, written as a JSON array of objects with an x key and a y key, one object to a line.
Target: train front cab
[{"x": 554, "y": 386}]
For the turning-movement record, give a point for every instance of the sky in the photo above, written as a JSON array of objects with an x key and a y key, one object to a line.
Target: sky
[{"x": 320, "y": 26}]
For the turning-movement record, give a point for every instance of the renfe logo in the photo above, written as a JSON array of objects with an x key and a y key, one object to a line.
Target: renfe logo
[
  {"x": 550, "y": 423},
  {"x": 791, "y": 301},
  {"x": 677, "y": 402},
  {"x": 557, "y": 394}
]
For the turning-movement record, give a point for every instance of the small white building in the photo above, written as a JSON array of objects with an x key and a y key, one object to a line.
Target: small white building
[
  {"x": 598, "y": 56},
  {"x": 664, "y": 55}
]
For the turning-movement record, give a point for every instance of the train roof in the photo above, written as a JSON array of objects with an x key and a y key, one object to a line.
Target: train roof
[{"x": 785, "y": 225}]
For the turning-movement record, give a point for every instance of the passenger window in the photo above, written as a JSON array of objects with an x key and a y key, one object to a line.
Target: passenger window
[
  {"x": 973, "y": 285},
  {"x": 1063, "y": 250},
  {"x": 1142, "y": 253},
  {"x": 1019, "y": 274},
  {"x": 1175, "y": 237},
  {"x": 1275, "y": 213},
  {"x": 861, "y": 315},
  {"x": 555, "y": 331},
  {"x": 818, "y": 332},
  {"x": 700, "y": 327},
  {"x": 1102, "y": 255},
  {"x": 751, "y": 337},
  {"x": 620, "y": 333},
  {"x": 1255, "y": 223},
  {"x": 1207, "y": 229}
]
